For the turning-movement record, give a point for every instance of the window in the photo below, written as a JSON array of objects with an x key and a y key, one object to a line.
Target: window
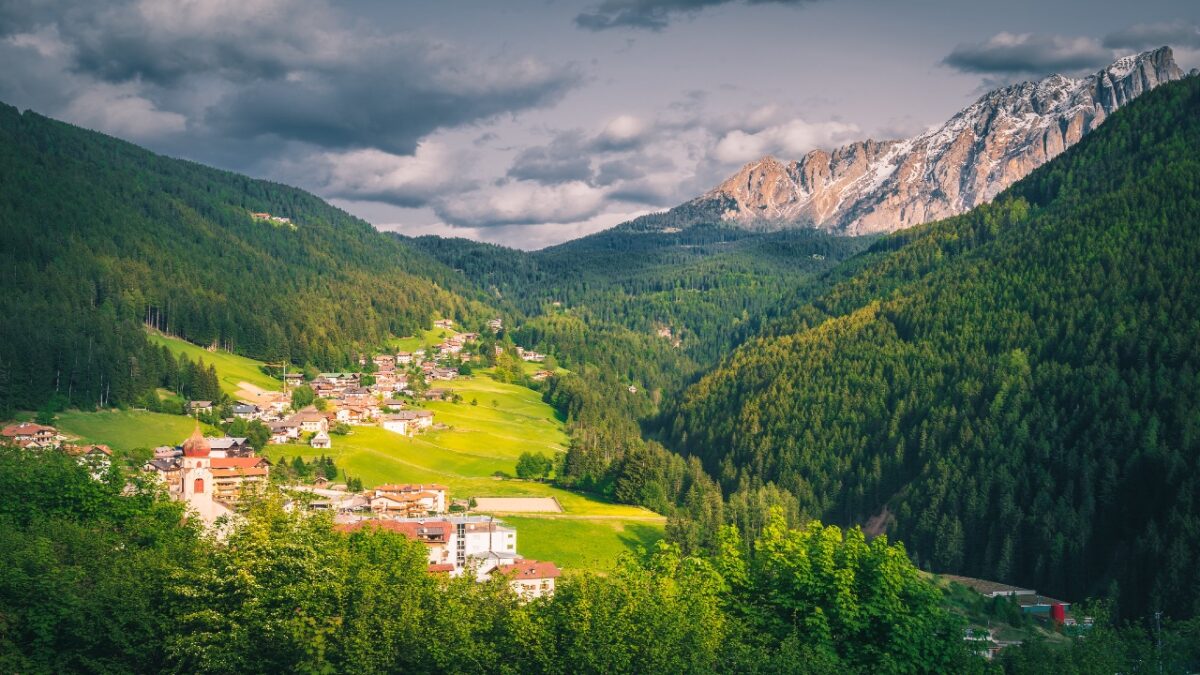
[{"x": 199, "y": 486}]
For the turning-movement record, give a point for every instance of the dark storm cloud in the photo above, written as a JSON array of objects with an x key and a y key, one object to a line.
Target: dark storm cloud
[
  {"x": 1028, "y": 54},
  {"x": 655, "y": 14},
  {"x": 387, "y": 101},
  {"x": 562, "y": 160},
  {"x": 287, "y": 69},
  {"x": 616, "y": 170},
  {"x": 1150, "y": 35}
]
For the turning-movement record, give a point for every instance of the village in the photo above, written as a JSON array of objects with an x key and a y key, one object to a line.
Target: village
[{"x": 212, "y": 474}]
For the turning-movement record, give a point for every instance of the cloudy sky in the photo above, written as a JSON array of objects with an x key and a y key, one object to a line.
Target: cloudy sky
[{"x": 530, "y": 122}]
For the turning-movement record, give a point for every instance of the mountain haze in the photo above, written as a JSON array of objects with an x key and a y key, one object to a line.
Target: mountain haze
[{"x": 883, "y": 186}]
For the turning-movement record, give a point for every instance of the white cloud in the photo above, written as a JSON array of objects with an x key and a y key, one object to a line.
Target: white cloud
[
  {"x": 622, "y": 131},
  {"x": 117, "y": 109},
  {"x": 522, "y": 203},
  {"x": 789, "y": 140},
  {"x": 404, "y": 180}
]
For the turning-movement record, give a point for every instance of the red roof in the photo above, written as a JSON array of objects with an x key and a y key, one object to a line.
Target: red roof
[
  {"x": 234, "y": 473},
  {"x": 529, "y": 569},
  {"x": 438, "y": 568},
  {"x": 25, "y": 429},
  {"x": 409, "y": 528}
]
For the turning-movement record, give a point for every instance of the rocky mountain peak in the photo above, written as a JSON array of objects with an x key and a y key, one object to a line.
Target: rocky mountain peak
[{"x": 882, "y": 186}]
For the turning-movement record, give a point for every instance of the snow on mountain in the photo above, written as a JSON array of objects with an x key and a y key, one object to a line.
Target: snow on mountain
[{"x": 883, "y": 186}]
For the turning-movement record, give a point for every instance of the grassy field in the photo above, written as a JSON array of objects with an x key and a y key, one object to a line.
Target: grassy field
[
  {"x": 582, "y": 543},
  {"x": 424, "y": 340},
  {"x": 231, "y": 368},
  {"x": 476, "y": 457},
  {"x": 124, "y": 430}
]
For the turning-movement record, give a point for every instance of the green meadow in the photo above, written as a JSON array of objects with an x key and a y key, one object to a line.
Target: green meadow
[
  {"x": 424, "y": 340},
  {"x": 476, "y": 456},
  {"x": 124, "y": 430},
  {"x": 231, "y": 368},
  {"x": 582, "y": 543}
]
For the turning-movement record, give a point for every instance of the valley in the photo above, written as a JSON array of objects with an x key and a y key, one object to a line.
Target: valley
[{"x": 923, "y": 405}]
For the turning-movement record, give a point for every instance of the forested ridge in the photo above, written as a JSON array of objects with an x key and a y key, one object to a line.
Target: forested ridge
[
  {"x": 1016, "y": 386},
  {"x": 100, "y": 236}
]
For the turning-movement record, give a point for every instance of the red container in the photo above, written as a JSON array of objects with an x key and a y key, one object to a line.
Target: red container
[{"x": 1058, "y": 613}]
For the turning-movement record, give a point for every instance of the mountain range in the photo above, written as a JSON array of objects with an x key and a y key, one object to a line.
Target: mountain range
[{"x": 883, "y": 186}]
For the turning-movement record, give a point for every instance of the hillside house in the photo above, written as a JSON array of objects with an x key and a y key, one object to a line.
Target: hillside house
[
  {"x": 96, "y": 458},
  {"x": 416, "y": 419},
  {"x": 403, "y": 358},
  {"x": 445, "y": 374},
  {"x": 450, "y": 347},
  {"x": 200, "y": 407},
  {"x": 496, "y": 325},
  {"x": 311, "y": 420},
  {"x": 446, "y": 324},
  {"x": 434, "y": 492},
  {"x": 438, "y": 394},
  {"x": 284, "y": 431},
  {"x": 30, "y": 435},
  {"x": 530, "y": 579},
  {"x": 228, "y": 446},
  {"x": 246, "y": 411},
  {"x": 321, "y": 441},
  {"x": 385, "y": 362},
  {"x": 541, "y": 375},
  {"x": 398, "y": 424}
]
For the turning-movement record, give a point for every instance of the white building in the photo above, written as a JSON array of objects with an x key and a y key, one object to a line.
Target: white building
[{"x": 396, "y": 423}]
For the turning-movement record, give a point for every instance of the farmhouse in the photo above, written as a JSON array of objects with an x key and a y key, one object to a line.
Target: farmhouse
[
  {"x": 321, "y": 441},
  {"x": 199, "y": 407},
  {"x": 28, "y": 434}
]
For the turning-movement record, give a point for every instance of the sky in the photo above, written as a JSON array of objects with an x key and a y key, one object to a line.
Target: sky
[{"x": 531, "y": 122}]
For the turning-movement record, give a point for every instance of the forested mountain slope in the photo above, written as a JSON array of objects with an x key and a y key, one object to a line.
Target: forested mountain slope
[
  {"x": 696, "y": 287},
  {"x": 99, "y": 236},
  {"x": 1018, "y": 387}
]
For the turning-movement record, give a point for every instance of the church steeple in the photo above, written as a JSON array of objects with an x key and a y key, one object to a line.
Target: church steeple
[{"x": 196, "y": 445}]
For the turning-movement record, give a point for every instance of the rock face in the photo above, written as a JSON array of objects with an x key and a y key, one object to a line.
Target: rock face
[{"x": 883, "y": 186}]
